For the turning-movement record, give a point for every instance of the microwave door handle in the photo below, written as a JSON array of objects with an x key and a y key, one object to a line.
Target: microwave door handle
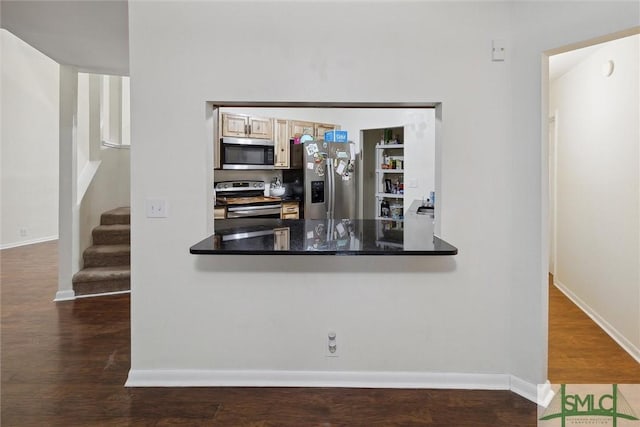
[{"x": 248, "y": 141}]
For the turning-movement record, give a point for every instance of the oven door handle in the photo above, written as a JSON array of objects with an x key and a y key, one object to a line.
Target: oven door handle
[
  {"x": 247, "y": 235},
  {"x": 252, "y": 208},
  {"x": 252, "y": 213}
]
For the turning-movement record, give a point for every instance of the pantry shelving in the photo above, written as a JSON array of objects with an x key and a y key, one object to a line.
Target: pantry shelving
[{"x": 389, "y": 181}]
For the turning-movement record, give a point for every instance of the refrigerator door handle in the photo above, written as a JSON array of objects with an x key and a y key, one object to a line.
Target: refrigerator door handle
[
  {"x": 329, "y": 180},
  {"x": 333, "y": 192}
]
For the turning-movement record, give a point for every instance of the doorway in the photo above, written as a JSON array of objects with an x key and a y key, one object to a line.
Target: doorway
[
  {"x": 384, "y": 171},
  {"x": 594, "y": 198}
]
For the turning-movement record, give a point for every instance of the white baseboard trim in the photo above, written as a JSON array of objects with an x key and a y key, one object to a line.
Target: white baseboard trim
[
  {"x": 106, "y": 294},
  {"x": 71, "y": 295},
  {"x": 28, "y": 242},
  {"x": 264, "y": 378},
  {"x": 606, "y": 326},
  {"x": 65, "y": 296},
  {"x": 545, "y": 394},
  {"x": 525, "y": 389}
]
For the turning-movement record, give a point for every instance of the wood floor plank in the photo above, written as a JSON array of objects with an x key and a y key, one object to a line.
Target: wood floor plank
[
  {"x": 580, "y": 352},
  {"x": 64, "y": 364}
]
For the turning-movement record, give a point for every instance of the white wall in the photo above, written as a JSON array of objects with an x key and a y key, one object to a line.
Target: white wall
[
  {"x": 480, "y": 312},
  {"x": 598, "y": 186},
  {"x": 82, "y": 131},
  {"x": 29, "y": 143}
]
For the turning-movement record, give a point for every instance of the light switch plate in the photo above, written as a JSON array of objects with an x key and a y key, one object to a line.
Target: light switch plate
[{"x": 157, "y": 208}]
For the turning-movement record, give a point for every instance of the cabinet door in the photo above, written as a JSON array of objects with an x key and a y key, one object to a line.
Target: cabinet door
[
  {"x": 302, "y": 128},
  {"x": 321, "y": 128},
  {"x": 290, "y": 210},
  {"x": 234, "y": 125},
  {"x": 217, "y": 134},
  {"x": 219, "y": 213},
  {"x": 281, "y": 144},
  {"x": 260, "y": 127}
]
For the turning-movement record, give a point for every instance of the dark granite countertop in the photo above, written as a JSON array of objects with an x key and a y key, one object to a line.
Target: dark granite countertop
[{"x": 247, "y": 236}]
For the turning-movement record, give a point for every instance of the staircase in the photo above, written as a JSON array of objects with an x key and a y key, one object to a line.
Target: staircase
[{"x": 107, "y": 264}]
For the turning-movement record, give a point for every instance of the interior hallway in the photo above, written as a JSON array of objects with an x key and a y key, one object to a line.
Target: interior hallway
[
  {"x": 64, "y": 364},
  {"x": 579, "y": 351}
]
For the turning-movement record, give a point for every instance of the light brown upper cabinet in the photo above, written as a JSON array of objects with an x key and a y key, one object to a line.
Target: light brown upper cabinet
[
  {"x": 321, "y": 128},
  {"x": 243, "y": 126},
  {"x": 281, "y": 142},
  {"x": 299, "y": 128}
]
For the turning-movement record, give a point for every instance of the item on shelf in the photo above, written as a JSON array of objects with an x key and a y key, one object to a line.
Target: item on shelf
[
  {"x": 385, "y": 161},
  {"x": 336, "y": 136},
  {"x": 388, "y": 188},
  {"x": 397, "y": 211},
  {"x": 387, "y": 136},
  {"x": 385, "y": 210}
]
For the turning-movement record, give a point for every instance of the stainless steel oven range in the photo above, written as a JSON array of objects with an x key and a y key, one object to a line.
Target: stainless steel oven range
[{"x": 246, "y": 199}]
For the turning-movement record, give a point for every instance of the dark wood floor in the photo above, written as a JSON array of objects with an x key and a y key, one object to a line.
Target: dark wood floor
[
  {"x": 64, "y": 364},
  {"x": 582, "y": 353}
]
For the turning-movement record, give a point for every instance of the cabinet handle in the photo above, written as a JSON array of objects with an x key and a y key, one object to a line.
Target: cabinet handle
[
  {"x": 246, "y": 127},
  {"x": 249, "y": 129}
]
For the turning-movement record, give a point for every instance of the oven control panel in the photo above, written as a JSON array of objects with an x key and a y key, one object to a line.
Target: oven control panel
[{"x": 234, "y": 186}]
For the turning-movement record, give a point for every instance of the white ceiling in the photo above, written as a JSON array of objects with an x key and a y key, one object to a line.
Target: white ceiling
[{"x": 91, "y": 35}]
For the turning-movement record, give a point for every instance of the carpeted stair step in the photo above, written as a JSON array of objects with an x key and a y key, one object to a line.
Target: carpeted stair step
[
  {"x": 115, "y": 234},
  {"x": 98, "y": 280},
  {"x": 116, "y": 216},
  {"x": 107, "y": 255}
]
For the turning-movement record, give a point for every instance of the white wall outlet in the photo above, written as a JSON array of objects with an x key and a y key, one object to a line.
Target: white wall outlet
[
  {"x": 498, "y": 50},
  {"x": 157, "y": 208},
  {"x": 412, "y": 183},
  {"x": 23, "y": 232},
  {"x": 332, "y": 345}
]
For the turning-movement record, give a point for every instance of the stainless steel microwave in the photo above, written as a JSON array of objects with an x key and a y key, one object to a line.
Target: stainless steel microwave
[{"x": 246, "y": 153}]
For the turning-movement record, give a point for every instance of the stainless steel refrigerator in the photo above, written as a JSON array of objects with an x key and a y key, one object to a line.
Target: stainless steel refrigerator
[{"x": 330, "y": 180}]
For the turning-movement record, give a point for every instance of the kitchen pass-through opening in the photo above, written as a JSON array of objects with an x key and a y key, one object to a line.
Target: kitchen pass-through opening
[{"x": 412, "y": 173}]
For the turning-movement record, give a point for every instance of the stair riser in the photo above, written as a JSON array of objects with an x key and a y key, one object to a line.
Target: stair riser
[
  {"x": 100, "y": 287},
  {"x": 111, "y": 237},
  {"x": 106, "y": 260},
  {"x": 107, "y": 219}
]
